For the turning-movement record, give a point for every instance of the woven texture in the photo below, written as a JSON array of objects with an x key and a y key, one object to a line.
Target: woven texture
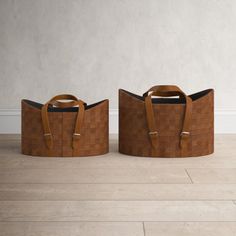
[
  {"x": 93, "y": 139},
  {"x": 134, "y": 136}
]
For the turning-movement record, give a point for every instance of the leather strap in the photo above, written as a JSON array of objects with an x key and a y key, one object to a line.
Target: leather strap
[
  {"x": 54, "y": 101},
  {"x": 78, "y": 124},
  {"x": 79, "y": 120},
  {"x": 168, "y": 91},
  {"x": 64, "y": 104},
  {"x": 64, "y": 97},
  {"x": 153, "y": 133}
]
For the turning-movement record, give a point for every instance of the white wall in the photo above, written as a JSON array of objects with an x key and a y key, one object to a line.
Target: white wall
[{"x": 93, "y": 47}]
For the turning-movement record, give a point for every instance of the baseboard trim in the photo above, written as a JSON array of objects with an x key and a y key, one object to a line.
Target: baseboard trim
[{"x": 10, "y": 121}]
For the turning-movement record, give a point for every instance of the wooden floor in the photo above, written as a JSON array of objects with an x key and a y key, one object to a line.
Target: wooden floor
[{"x": 118, "y": 195}]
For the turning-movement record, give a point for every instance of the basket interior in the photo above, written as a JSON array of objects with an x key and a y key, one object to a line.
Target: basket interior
[
  {"x": 57, "y": 109},
  {"x": 172, "y": 100}
]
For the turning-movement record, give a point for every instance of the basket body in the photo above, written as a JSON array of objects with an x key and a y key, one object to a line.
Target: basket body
[
  {"x": 94, "y": 131},
  {"x": 169, "y": 113}
]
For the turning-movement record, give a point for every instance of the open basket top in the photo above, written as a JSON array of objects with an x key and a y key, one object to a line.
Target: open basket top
[
  {"x": 171, "y": 100},
  {"x": 39, "y": 106}
]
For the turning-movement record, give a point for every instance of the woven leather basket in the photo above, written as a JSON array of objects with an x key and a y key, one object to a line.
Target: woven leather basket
[
  {"x": 64, "y": 128},
  {"x": 166, "y": 127}
]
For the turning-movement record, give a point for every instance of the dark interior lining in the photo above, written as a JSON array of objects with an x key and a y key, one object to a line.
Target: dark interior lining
[
  {"x": 194, "y": 97},
  {"x": 56, "y": 109}
]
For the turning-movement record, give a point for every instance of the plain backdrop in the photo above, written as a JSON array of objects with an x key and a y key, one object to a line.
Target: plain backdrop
[{"x": 91, "y": 48}]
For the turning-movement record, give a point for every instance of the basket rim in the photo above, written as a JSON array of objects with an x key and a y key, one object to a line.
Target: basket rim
[
  {"x": 170, "y": 101},
  {"x": 38, "y": 106}
]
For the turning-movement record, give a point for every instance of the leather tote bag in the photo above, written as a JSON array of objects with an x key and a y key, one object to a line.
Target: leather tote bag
[
  {"x": 166, "y": 127},
  {"x": 68, "y": 128}
]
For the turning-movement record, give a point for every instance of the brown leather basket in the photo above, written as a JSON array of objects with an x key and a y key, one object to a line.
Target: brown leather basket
[
  {"x": 166, "y": 127},
  {"x": 64, "y": 129}
]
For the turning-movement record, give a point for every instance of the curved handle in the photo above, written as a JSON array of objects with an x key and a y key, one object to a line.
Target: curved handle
[
  {"x": 79, "y": 119},
  {"x": 55, "y": 101},
  {"x": 167, "y": 91}
]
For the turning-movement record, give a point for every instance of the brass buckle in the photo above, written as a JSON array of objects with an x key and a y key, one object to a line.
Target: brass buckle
[
  {"x": 76, "y": 134},
  {"x": 183, "y": 133},
  {"x": 153, "y": 133}
]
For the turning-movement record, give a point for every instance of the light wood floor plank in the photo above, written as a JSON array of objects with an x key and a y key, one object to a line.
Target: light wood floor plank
[
  {"x": 210, "y": 175},
  {"x": 71, "y": 229},
  {"x": 114, "y": 160},
  {"x": 111, "y": 160},
  {"x": 117, "y": 211},
  {"x": 64, "y": 192},
  {"x": 190, "y": 228},
  {"x": 61, "y": 196},
  {"x": 94, "y": 176},
  {"x": 224, "y": 157}
]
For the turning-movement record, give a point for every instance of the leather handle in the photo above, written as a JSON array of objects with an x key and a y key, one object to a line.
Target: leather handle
[
  {"x": 165, "y": 91},
  {"x": 55, "y": 101},
  {"x": 63, "y": 97},
  {"x": 168, "y": 91},
  {"x": 79, "y": 120},
  {"x": 65, "y": 104}
]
